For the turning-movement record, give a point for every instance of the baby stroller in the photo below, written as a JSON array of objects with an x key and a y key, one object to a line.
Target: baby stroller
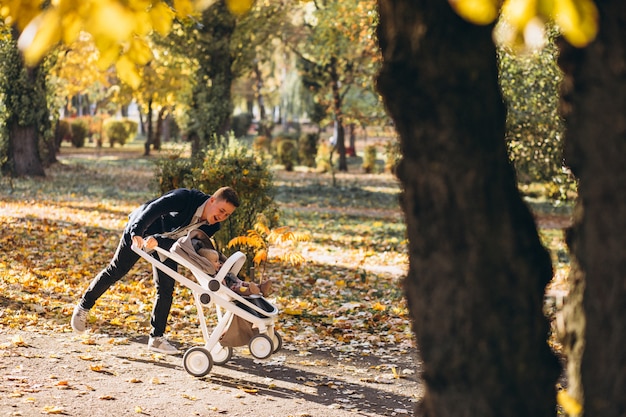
[{"x": 253, "y": 315}]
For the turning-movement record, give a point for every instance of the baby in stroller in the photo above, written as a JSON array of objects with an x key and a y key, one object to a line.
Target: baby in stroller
[
  {"x": 232, "y": 281},
  {"x": 198, "y": 248}
]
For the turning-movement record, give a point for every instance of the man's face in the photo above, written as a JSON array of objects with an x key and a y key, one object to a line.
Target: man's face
[{"x": 217, "y": 211}]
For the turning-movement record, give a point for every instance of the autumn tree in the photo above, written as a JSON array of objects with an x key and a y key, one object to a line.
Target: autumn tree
[
  {"x": 23, "y": 93},
  {"x": 477, "y": 268},
  {"x": 211, "y": 103},
  {"x": 338, "y": 53}
]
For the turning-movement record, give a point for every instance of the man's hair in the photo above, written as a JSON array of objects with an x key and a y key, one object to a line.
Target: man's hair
[{"x": 227, "y": 194}]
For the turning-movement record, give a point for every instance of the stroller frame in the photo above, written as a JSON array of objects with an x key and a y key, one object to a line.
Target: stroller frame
[{"x": 209, "y": 291}]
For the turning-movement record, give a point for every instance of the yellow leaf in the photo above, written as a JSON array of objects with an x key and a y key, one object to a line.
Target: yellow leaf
[
  {"x": 183, "y": 8},
  {"x": 116, "y": 321},
  {"x": 379, "y": 307},
  {"x": 102, "y": 16},
  {"x": 293, "y": 311},
  {"x": 139, "y": 51},
  {"x": 109, "y": 52},
  {"x": 569, "y": 403},
  {"x": 260, "y": 256},
  {"x": 71, "y": 25},
  {"x": 52, "y": 409},
  {"x": 161, "y": 17},
  {"x": 138, "y": 410},
  {"x": 17, "y": 340},
  {"x": 127, "y": 72},
  {"x": 40, "y": 35},
  {"x": 578, "y": 20},
  {"x": 239, "y": 7},
  {"x": 519, "y": 12},
  {"x": 143, "y": 23},
  {"x": 480, "y": 12}
]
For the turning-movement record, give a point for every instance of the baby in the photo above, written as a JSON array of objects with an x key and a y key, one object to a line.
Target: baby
[{"x": 231, "y": 280}]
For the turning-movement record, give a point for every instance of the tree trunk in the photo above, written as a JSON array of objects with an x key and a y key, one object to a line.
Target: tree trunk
[
  {"x": 24, "y": 153},
  {"x": 150, "y": 133},
  {"x": 594, "y": 108},
  {"x": 340, "y": 131},
  {"x": 477, "y": 268},
  {"x": 23, "y": 94}
]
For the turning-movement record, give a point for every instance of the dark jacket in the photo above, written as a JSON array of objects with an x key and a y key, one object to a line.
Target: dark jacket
[{"x": 167, "y": 213}]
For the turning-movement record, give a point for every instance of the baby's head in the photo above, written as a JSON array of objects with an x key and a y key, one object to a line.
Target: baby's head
[{"x": 212, "y": 256}]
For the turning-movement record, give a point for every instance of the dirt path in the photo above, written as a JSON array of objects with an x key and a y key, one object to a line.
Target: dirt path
[{"x": 71, "y": 375}]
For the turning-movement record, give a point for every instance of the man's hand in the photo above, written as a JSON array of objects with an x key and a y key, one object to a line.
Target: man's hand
[{"x": 149, "y": 243}]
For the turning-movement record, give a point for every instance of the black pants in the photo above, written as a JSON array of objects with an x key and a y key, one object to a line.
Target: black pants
[{"x": 123, "y": 260}]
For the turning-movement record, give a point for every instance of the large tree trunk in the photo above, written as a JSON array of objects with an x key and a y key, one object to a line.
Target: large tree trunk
[
  {"x": 595, "y": 148},
  {"x": 24, "y": 99},
  {"x": 23, "y": 151},
  {"x": 477, "y": 270}
]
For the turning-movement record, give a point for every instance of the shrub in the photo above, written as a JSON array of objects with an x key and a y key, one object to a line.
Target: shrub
[
  {"x": 131, "y": 129},
  {"x": 287, "y": 152},
  {"x": 233, "y": 166},
  {"x": 392, "y": 155},
  {"x": 120, "y": 131},
  {"x": 63, "y": 132},
  {"x": 80, "y": 129},
  {"x": 369, "y": 159},
  {"x": 307, "y": 149},
  {"x": 323, "y": 160},
  {"x": 172, "y": 172}
]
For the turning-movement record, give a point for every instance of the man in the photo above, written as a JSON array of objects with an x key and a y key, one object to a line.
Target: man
[{"x": 167, "y": 218}]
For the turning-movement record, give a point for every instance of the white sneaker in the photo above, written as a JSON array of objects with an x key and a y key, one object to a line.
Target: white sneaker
[
  {"x": 161, "y": 345},
  {"x": 79, "y": 319}
]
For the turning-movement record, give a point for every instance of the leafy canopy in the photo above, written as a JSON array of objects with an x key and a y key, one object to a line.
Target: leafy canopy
[
  {"x": 43, "y": 24},
  {"x": 577, "y": 19}
]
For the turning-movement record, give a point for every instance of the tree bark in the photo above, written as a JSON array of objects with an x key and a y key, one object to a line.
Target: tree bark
[
  {"x": 339, "y": 132},
  {"x": 477, "y": 268},
  {"x": 594, "y": 108},
  {"x": 23, "y": 151},
  {"x": 24, "y": 98}
]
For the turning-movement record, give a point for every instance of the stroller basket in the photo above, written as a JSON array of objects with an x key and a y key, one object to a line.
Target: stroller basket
[{"x": 209, "y": 292}]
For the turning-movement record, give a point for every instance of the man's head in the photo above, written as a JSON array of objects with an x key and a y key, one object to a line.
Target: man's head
[{"x": 220, "y": 205}]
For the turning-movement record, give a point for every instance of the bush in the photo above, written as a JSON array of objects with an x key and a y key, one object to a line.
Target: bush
[
  {"x": 63, "y": 132},
  {"x": 307, "y": 149},
  {"x": 80, "y": 129},
  {"x": 120, "y": 131},
  {"x": 234, "y": 166},
  {"x": 251, "y": 177},
  {"x": 323, "y": 160},
  {"x": 369, "y": 159},
  {"x": 131, "y": 129},
  {"x": 172, "y": 172},
  {"x": 287, "y": 152},
  {"x": 392, "y": 155}
]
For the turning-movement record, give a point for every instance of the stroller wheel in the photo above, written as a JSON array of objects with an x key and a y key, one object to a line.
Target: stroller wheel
[
  {"x": 277, "y": 341},
  {"x": 261, "y": 346},
  {"x": 198, "y": 361},
  {"x": 221, "y": 354}
]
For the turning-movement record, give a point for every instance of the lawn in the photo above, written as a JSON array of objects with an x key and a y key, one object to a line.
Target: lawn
[{"x": 59, "y": 231}]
